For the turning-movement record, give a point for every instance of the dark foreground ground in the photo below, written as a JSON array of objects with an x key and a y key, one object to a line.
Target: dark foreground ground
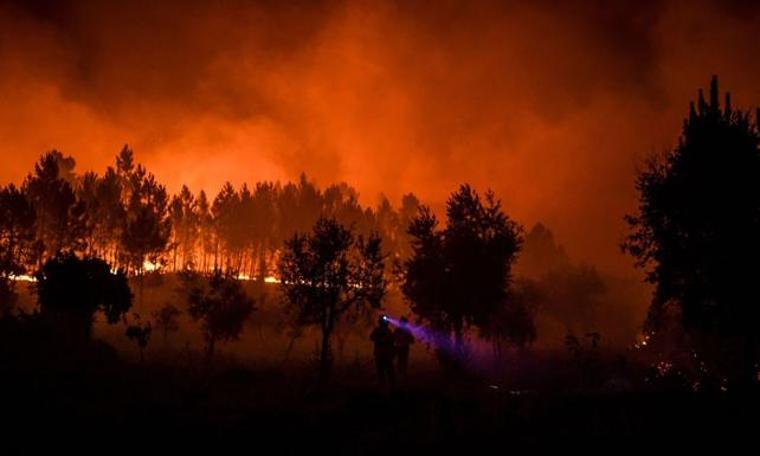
[
  {"x": 91, "y": 398},
  {"x": 96, "y": 402}
]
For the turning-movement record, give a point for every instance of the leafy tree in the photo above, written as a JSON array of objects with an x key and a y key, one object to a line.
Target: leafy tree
[
  {"x": 139, "y": 333},
  {"x": 60, "y": 215},
  {"x": 514, "y": 321},
  {"x": 263, "y": 226},
  {"x": 386, "y": 223},
  {"x": 148, "y": 226},
  {"x": 327, "y": 273},
  {"x": 299, "y": 206},
  {"x": 574, "y": 296},
  {"x": 16, "y": 242},
  {"x": 126, "y": 217},
  {"x": 185, "y": 227},
  {"x": 229, "y": 235},
  {"x": 410, "y": 207},
  {"x": 102, "y": 197},
  {"x": 219, "y": 303},
  {"x": 205, "y": 230},
  {"x": 129, "y": 174},
  {"x": 459, "y": 276},
  {"x": 540, "y": 254},
  {"x": 166, "y": 319},
  {"x": 696, "y": 235},
  {"x": 341, "y": 202},
  {"x": 424, "y": 275},
  {"x": 72, "y": 290}
]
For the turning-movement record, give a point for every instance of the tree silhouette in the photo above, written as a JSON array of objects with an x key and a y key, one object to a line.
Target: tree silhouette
[
  {"x": 148, "y": 227},
  {"x": 540, "y": 254},
  {"x": 459, "y": 276},
  {"x": 327, "y": 273},
  {"x": 16, "y": 242},
  {"x": 166, "y": 320},
  {"x": 513, "y": 321},
  {"x": 573, "y": 295},
  {"x": 139, "y": 333},
  {"x": 299, "y": 206},
  {"x": 60, "y": 215},
  {"x": 410, "y": 207},
  {"x": 263, "y": 227},
  {"x": 129, "y": 175},
  {"x": 696, "y": 234},
  {"x": 219, "y": 303},
  {"x": 126, "y": 217},
  {"x": 106, "y": 215},
  {"x": 225, "y": 212},
  {"x": 185, "y": 228},
  {"x": 71, "y": 290},
  {"x": 205, "y": 230}
]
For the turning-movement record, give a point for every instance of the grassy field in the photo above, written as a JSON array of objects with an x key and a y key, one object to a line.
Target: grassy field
[
  {"x": 117, "y": 403},
  {"x": 259, "y": 395}
]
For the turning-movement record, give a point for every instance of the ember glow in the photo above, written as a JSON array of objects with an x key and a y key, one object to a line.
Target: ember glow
[{"x": 23, "y": 278}]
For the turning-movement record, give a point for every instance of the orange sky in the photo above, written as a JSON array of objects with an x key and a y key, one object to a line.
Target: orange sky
[{"x": 552, "y": 105}]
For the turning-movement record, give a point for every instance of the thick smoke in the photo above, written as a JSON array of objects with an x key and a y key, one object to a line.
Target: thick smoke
[{"x": 552, "y": 104}]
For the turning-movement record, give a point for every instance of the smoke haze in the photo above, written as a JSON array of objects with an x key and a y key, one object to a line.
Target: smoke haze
[{"x": 553, "y": 105}]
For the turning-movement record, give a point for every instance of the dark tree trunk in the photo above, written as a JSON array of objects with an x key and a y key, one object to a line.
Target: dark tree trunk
[
  {"x": 289, "y": 350},
  {"x": 325, "y": 361},
  {"x": 325, "y": 356}
]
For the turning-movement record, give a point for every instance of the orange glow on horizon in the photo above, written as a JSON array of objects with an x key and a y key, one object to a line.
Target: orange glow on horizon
[{"x": 389, "y": 98}]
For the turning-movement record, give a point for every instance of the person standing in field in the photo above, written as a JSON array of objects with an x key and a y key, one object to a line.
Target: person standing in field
[{"x": 382, "y": 338}]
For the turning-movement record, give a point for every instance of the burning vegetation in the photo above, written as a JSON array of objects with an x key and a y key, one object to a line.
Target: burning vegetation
[{"x": 129, "y": 300}]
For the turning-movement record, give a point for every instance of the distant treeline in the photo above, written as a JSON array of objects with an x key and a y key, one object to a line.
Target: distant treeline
[{"x": 127, "y": 217}]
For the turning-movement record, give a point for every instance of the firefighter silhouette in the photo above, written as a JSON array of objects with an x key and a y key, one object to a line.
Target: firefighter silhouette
[{"x": 383, "y": 339}]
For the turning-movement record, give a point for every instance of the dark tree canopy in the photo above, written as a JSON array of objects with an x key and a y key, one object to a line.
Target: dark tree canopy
[
  {"x": 106, "y": 214},
  {"x": 574, "y": 296},
  {"x": 328, "y": 272},
  {"x": 167, "y": 319},
  {"x": 139, "y": 333},
  {"x": 147, "y": 227},
  {"x": 219, "y": 303},
  {"x": 185, "y": 222},
  {"x": 127, "y": 217},
  {"x": 514, "y": 321},
  {"x": 76, "y": 289},
  {"x": 697, "y": 233},
  {"x": 16, "y": 242},
  {"x": 17, "y": 237},
  {"x": 460, "y": 276},
  {"x": 541, "y": 253},
  {"x": 60, "y": 215}
]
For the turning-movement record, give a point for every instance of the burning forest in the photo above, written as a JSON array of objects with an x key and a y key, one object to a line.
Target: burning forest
[{"x": 363, "y": 227}]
